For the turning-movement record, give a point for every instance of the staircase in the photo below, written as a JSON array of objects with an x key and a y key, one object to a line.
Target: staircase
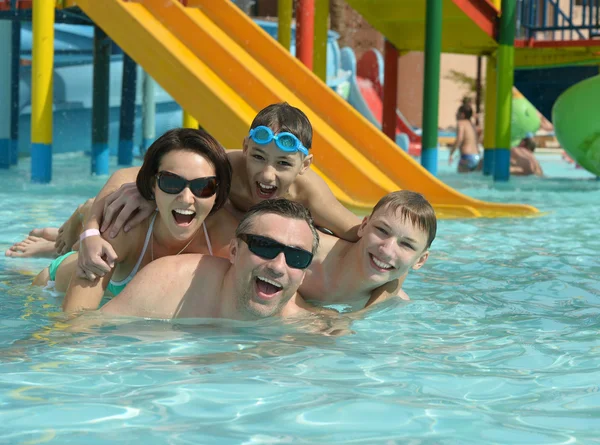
[{"x": 558, "y": 20}]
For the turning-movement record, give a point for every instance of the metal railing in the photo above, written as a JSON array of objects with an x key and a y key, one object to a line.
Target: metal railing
[{"x": 558, "y": 19}]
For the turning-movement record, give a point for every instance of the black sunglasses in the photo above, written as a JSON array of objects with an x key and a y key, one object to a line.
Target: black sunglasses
[
  {"x": 269, "y": 248},
  {"x": 173, "y": 184}
]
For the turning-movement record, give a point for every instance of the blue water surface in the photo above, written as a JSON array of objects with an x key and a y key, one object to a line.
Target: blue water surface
[{"x": 499, "y": 345}]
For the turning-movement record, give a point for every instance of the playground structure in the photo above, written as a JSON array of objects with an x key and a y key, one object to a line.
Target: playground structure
[{"x": 222, "y": 68}]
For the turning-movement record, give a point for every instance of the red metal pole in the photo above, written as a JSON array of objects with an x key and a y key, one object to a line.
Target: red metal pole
[
  {"x": 390, "y": 91},
  {"x": 305, "y": 31}
]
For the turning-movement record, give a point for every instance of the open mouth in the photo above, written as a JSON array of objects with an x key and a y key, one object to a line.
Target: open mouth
[
  {"x": 183, "y": 217},
  {"x": 267, "y": 289},
  {"x": 379, "y": 265},
  {"x": 265, "y": 191}
]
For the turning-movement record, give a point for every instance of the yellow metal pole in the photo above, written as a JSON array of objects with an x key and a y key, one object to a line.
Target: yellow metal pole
[
  {"x": 41, "y": 91},
  {"x": 497, "y": 4},
  {"x": 489, "y": 126},
  {"x": 284, "y": 29},
  {"x": 320, "y": 41},
  {"x": 189, "y": 121}
]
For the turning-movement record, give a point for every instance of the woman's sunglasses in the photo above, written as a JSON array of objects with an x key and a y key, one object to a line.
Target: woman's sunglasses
[
  {"x": 173, "y": 184},
  {"x": 268, "y": 248}
]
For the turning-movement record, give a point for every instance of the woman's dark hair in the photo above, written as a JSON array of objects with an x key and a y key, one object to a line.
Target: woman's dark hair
[{"x": 195, "y": 141}]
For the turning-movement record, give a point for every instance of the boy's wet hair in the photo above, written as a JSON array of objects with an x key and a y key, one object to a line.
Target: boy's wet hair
[
  {"x": 283, "y": 117},
  {"x": 192, "y": 140},
  {"x": 466, "y": 111},
  {"x": 412, "y": 206},
  {"x": 282, "y": 207}
]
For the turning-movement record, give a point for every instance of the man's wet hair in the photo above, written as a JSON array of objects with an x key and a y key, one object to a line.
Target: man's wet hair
[{"x": 282, "y": 207}]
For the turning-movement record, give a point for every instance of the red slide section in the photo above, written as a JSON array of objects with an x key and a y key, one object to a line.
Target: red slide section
[{"x": 369, "y": 73}]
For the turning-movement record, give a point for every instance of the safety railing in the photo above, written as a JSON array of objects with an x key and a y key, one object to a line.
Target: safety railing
[{"x": 558, "y": 19}]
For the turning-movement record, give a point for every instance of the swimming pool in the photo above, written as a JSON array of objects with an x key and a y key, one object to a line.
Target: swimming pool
[{"x": 500, "y": 343}]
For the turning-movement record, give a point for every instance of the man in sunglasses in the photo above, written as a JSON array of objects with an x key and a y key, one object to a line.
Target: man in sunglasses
[{"x": 273, "y": 246}]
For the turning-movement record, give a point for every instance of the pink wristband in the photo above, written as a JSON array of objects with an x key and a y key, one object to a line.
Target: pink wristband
[{"x": 89, "y": 232}]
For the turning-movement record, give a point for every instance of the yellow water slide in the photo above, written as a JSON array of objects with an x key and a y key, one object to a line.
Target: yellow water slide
[{"x": 223, "y": 68}]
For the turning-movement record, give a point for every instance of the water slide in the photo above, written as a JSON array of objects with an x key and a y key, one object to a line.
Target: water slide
[
  {"x": 576, "y": 123},
  {"x": 222, "y": 67},
  {"x": 366, "y": 92}
]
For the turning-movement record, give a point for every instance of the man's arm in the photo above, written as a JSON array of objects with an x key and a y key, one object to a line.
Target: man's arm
[{"x": 326, "y": 210}]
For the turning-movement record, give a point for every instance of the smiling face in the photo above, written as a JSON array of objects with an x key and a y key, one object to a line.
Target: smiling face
[
  {"x": 265, "y": 286},
  {"x": 391, "y": 246},
  {"x": 271, "y": 171},
  {"x": 183, "y": 213}
]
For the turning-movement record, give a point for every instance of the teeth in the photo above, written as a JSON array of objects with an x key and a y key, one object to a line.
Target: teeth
[
  {"x": 184, "y": 212},
  {"x": 381, "y": 264},
  {"x": 266, "y": 187},
  {"x": 274, "y": 283}
]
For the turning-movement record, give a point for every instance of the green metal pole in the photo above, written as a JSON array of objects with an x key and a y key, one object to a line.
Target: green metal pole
[
  {"x": 100, "y": 102},
  {"x": 506, "y": 75},
  {"x": 431, "y": 85},
  {"x": 320, "y": 43},
  {"x": 284, "y": 28},
  {"x": 489, "y": 132}
]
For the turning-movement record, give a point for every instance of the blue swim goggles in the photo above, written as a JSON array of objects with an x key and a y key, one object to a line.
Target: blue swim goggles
[{"x": 285, "y": 141}]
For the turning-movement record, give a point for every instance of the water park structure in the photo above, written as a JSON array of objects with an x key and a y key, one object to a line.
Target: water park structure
[{"x": 221, "y": 68}]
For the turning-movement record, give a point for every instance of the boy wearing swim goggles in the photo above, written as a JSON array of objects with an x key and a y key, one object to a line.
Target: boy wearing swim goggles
[
  {"x": 394, "y": 239},
  {"x": 275, "y": 163}
]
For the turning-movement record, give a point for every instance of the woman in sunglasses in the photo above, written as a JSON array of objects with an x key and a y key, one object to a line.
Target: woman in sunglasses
[{"x": 187, "y": 173}]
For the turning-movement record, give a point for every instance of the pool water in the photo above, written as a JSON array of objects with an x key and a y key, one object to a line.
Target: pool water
[{"x": 499, "y": 345}]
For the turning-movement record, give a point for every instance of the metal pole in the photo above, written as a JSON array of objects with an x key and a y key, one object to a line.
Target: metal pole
[
  {"x": 305, "y": 31},
  {"x": 100, "y": 105},
  {"x": 5, "y": 96},
  {"x": 127, "y": 115},
  {"x": 390, "y": 90},
  {"x": 41, "y": 91},
  {"x": 15, "y": 86},
  {"x": 478, "y": 91},
  {"x": 431, "y": 85},
  {"x": 320, "y": 40},
  {"x": 148, "y": 112},
  {"x": 284, "y": 28},
  {"x": 489, "y": 126},
  {"x": 189, "y": 121},
  {"x": 506, "y": 66}
]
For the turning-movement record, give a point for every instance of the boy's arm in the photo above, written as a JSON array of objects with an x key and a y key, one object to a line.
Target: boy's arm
[
  {"x": 326, "y": 210},
  {"x": 388, "y": 290}
]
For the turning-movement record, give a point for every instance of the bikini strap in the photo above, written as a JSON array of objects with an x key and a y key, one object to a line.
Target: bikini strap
[
  {"x": 139, "y": 261},
  {"x": 207, "y": 238}
]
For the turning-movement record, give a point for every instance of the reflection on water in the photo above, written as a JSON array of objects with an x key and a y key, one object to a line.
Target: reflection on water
[{"x": 499, "y": 344}]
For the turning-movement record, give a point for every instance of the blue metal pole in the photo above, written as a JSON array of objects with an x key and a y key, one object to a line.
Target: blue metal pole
[
  {"x": 100, "y": 105},
  {"x": 148, "y": 112},
  {"x": 14, "y": 89},
  {"x": 5, "y": 96},
  {"x": 127, "y": 118}
]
